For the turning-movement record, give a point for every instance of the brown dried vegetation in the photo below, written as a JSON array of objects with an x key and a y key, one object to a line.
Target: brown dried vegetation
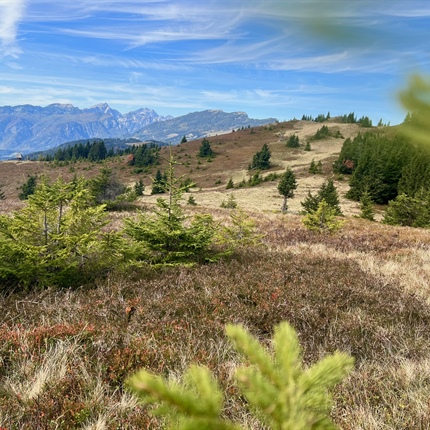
[{"x": 64, "y": 355}]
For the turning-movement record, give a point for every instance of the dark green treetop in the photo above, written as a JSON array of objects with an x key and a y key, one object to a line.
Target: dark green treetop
[
  {"x": 286, "y": 187},
  {"x": 205, "y": 150},
  {"x": 28, "y": 188},
  {"x": 261, "y": 159}
]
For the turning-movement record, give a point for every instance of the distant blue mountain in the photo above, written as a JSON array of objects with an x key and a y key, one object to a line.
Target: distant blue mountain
[
  {"x": 196, "y": 125},
  {"x": 28, "y": 129}
]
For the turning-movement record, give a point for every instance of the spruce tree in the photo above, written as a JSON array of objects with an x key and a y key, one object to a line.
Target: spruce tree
[
  {"x": 261, "y": 159},
  {"x": 57, "y": 239},
  {"x": 365, "y": 121},
  {"x": 230, "y": 203},
  {"x": 310, "y": 204},
  {"x": 167, "y": 236},
  {"x": 286, "y": 187},
  {"x": 329, "y": 193},
  {"x": 313, "y": 167},
  {"x": 409, "y": 211},
  {"x": 139, "y": 188},
  {"x": 293, "y": 141},
  {"x": 205, "y": 150},
  {"x": 97, "y": 151},
  {"x": 366, "y": 207},
  {"x": 323, "y": 219},
  {"x": 377, "y": 162},
  {"x": 321, "y": 133},
  {"x": 415, "y": 174},
  {"x": 106, "y": 187},
  {"x": 28, "y": 188},
  {"x": 158, "y": 183}
]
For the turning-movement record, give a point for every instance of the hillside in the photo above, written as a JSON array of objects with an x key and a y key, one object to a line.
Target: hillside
[
  {"x": 65, "y": 353},
  {"x": 233, "y": 153}
]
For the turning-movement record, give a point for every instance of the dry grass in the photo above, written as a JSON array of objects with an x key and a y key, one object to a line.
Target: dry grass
[
  {"x": 324, "y": 285},
  {"x": 233, "y": 153},
  {"x": 65, "y": 354}
]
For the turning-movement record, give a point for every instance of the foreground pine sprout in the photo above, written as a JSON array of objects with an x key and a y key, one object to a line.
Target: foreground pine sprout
[{"x": 280, "y": 392}]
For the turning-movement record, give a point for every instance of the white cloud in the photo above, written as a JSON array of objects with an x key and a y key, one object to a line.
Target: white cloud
[{"x": 11, "y": 12}]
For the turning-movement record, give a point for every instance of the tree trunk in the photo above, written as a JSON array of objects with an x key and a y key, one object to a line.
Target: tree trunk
[{"x": 284, "y": 205}]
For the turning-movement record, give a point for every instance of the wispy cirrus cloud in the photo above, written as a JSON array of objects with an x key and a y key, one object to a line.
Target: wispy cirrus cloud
[
  {"x": 11, "y": 12},
  {"x": 176, "y": 55},
  {"x": 137, "y": 26}
]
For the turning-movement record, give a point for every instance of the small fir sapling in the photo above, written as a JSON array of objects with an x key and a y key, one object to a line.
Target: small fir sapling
[
  {"x": 282, "y": 393},
  {"x": 366, "y": 207},
  {"x": 323, "y": 219}
]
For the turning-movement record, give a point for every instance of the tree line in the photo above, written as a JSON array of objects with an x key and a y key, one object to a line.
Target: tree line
[
  {"x": 389, "y": 169},
  {"x": 143, "y": 155}
]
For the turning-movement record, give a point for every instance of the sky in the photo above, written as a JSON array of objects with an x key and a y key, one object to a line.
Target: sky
[{"x": 269, "y": 58}]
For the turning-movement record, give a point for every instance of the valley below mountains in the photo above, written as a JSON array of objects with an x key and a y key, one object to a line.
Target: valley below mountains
[{"x": 28, "y": 128}]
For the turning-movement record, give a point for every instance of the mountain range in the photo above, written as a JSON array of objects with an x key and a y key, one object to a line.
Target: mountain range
[{"x": 28, "y": 128}]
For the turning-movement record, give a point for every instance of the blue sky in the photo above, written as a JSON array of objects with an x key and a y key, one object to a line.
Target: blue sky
[{"x": 269, "y": 58}]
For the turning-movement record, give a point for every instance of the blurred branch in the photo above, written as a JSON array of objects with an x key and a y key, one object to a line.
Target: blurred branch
[{"x": 416, "y": 99}]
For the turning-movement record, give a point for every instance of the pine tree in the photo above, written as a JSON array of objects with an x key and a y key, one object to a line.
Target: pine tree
[
  {"x": 366, "y": 207},
  {"x": 184, "y": 139},
  {"x": 57, "y": 238},
  {"x": 230, "y": 184},
  {"x": 28, "y": 188},
  {"x": 139, "y": 188},
  {"x": 293, "y": 141},
  {"x": 286, "y": 187},
  {"x": 158, "y": 183},
  {"x": 261, "y": 159},
  {"x": 2, "y": 194},
  {"x": 307, "y": 146},
  {"x": 329, "y": 193},
  {"x": 323, "y": 219},
  {"x": 205, "y": 150},
  {"x": 167, "y": 236}
]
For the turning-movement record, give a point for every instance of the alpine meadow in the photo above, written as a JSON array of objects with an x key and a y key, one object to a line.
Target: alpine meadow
[
  {"x": 100, "y": 282},
  {"x": 210, "y": 270}
]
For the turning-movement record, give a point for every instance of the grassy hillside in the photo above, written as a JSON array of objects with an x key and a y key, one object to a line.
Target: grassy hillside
[
  {"x": 233, "y": 153},
  {"x": 64, "y": 354}
]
